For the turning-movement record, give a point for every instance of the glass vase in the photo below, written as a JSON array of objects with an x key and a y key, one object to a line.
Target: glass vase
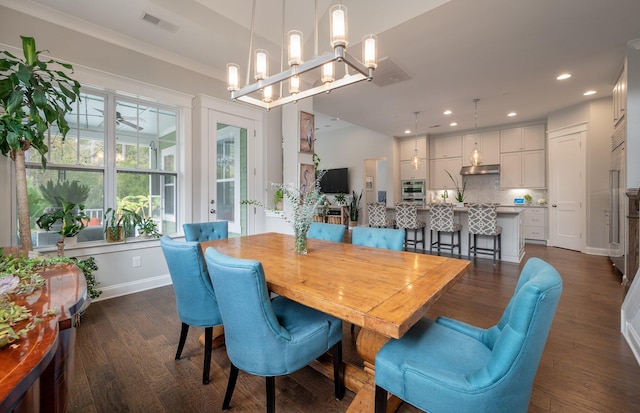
[{"x": 301, "y": 242}]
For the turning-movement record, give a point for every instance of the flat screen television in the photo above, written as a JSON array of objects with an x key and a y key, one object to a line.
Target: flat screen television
[{"x": 335, "y": 181}]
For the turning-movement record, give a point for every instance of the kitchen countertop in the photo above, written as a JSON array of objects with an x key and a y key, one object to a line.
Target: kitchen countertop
[{"x": 502, "y": 209}]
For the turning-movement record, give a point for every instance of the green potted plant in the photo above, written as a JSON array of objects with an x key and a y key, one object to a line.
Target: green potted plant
[
  {"x": 120, "y": 225},
  {"x": 34, "y": 95},
  {"x": 148, "y": 228},
  {"x": 354, "y": 209},
  {"x": 72, "y": 220},
  {"x": 341, "y": 199},
  {"x": 528, "y": 199},
  {"x": 278, "y": 196},
  {"x": 70, "y": 191},
  {"x": 459, "y": 191}
]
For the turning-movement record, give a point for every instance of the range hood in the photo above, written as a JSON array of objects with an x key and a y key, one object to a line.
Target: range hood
[{"x": 480, "y": 170}]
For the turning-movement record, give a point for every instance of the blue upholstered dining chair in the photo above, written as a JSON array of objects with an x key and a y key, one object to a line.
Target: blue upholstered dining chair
[
  {"x": 327, "y": 232},
  {"x": 195, "y": 298},
  {"x": 206, "y": 231},
  {"x": 268, "y": 337},
  {"x": 391, "y": 239},
  {"x": 450, "y": 366}
]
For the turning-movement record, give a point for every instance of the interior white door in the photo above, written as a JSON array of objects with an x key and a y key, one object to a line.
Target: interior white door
[
  {"x": 566, "y": 191},
  {"x": 231, "y": 158}
]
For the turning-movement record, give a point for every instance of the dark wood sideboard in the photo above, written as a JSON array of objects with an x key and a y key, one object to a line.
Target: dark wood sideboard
[{"x": 36, "y": 372}]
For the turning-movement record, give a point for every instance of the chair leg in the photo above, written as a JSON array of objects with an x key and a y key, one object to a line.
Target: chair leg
[
  {"x": 469, "y": 246},
  {"x": 271, "y": 394},
  {"x": 430, "y": 241},
  {"x": 208, "y": 343},
  {"x": 495, "y": 251},
  {"x": 338, "y": 371},
  {"x": 233, "y": 377},
  {"x": 183, "y": 339},
  {"x": 406, "y": 239},
  {"x": 381, "y": 400}
]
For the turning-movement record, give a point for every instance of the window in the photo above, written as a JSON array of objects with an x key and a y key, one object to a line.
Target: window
[{"x": 119, "y": 152}]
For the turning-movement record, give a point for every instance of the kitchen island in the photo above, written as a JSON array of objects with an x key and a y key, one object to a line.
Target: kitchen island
[{"x": 509, "y": 218}]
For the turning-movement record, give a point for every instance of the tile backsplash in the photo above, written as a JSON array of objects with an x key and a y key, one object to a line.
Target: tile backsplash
[{"x": 486, "y": 189}]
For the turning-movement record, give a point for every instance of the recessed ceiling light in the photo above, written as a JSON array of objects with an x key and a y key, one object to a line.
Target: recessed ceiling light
[
  {"x": 589, "y": 92},
  {"x": 408, "y": 131},
  {"x": 564, "y": 76},
  {"x": 511, "y": 114},
  {"x": 447, "y": 112},
  {"x": 453, "y": 124}
]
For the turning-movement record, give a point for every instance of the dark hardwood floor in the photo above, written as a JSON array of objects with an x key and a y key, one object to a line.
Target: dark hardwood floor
[{"x": 125, "y": 349}]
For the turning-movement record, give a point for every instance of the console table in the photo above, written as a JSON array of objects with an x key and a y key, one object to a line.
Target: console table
[
  {"x": 340, "y": 215},
  {"x": 35, "y": 373}
]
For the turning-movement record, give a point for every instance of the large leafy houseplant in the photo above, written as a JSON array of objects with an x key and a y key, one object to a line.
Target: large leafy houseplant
[
  {"x": 119, "y": 224},
  {"x": 72, "y": 219},
  {"x": 34, "y": 94}
]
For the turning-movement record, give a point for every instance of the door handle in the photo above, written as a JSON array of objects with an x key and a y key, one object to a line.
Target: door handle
[
  {"x": 554, "y": 205},
  {"x": 213, "y": 211}
]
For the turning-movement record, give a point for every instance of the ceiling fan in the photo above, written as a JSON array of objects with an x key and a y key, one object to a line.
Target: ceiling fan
[
  {"x": 121, "y": 120},
  {"x": 124, "y": 120}
]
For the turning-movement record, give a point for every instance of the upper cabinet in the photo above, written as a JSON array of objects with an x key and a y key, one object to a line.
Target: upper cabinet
[
  {"x": 620, "y": 98},
  {"x": 407, "y": 149},
  {"x": 528, "y": 138},
  {"x": 488, "y": 145},
  {"x": 409, "y": 145},
  {"x": 445, "y": 147}
]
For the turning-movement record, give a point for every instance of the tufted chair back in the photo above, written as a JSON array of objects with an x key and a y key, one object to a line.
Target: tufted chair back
[
  {"x": 327, "y": 232},
  {"x": 391, "y": 239},
  {"x": 206, "y": 231}
]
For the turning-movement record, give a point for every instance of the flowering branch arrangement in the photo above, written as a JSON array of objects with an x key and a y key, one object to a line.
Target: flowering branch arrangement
[{"x": 302, "y": 205}]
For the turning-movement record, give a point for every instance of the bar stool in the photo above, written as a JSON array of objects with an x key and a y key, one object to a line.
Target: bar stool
[
  {"x": 483, "y": 221},
  {"x": 442, "y": 221},
  {"x": 377, "y": 212},
  {"x": 407, "y": 219}
]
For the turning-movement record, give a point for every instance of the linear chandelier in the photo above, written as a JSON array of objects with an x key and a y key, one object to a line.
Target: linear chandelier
[{"x": 325, "y": 62}]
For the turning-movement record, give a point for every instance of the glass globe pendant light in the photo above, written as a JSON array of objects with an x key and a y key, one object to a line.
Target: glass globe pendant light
[{"x": 415, "y": 159}]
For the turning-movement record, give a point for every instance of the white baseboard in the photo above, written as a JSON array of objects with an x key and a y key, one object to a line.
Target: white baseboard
[
  {"x": 633, "y": 340},
  {"x": 596, "y": 251},
  {"x": 137, "y": 286}
]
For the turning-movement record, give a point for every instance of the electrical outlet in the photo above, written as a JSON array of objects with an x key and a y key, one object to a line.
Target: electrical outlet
[{"x": 136, "y": 262}]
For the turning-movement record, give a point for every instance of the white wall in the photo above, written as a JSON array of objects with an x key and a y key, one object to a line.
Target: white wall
[{"x": 349, "y": 148}]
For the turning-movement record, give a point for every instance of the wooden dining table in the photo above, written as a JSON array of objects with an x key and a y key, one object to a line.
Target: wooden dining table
[{"x": 384, "y": 292}]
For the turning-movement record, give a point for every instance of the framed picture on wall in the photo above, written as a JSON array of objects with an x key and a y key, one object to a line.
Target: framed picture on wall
[
  {"x": 368, "y": 183},
  {"x": 307, "y": 176},
  {"x": 307, "y": 132}
]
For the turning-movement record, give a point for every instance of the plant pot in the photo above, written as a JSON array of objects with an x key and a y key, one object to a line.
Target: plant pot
[
  {"x": 117, "y": 238},
  {"x": 353, "y": 224},
  {"x": 71, "y": 241}
]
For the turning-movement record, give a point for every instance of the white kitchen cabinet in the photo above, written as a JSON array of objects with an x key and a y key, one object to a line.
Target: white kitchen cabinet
[
  {"x": 488, "y": 145},
  {"x": 528, "y": 138},
  {"x": 439, "y": 179},
  {"x": 620, "y": 97},
  {"x": 535, "y": 224},
  {"x": 407, "y": 173},
  {"x": 524, "y": 169},
  {"x": 445, "y": 147},
  {"x": 408, "y": 146}
]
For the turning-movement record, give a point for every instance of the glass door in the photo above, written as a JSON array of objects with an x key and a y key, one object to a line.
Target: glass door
[{"x": 229, "y": 182}]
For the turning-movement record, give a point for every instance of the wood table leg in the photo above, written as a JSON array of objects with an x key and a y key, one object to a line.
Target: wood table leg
[
  {"x": 368, "y": 344},
  {"x": 218, "y": 337}
]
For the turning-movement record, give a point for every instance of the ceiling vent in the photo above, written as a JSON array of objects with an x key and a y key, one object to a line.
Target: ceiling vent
[
  {"x": 387, "y": 73},
  {"x": 156, "y": 21}
]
